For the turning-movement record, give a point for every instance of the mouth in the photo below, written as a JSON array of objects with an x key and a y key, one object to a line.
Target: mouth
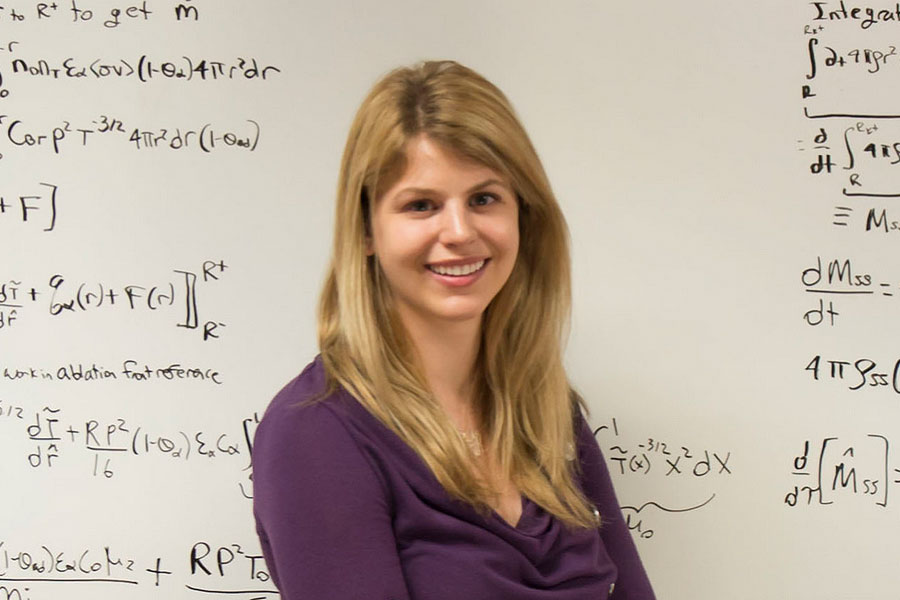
[{"x": 459, "y": 270}]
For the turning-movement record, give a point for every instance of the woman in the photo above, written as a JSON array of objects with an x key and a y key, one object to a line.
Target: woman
[{"x": 434, "y": 450}]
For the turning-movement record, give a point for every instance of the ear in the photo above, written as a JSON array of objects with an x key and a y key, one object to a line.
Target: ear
[{"x": 370, "y": 246}]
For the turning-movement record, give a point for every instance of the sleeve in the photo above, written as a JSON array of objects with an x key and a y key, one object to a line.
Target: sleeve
[
  {"x": 632, "y": 582},
  {"x": 323, "y": 514}
]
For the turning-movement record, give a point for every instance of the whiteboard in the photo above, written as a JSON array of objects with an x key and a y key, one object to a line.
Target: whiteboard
[{"x": 729, "y": 174}]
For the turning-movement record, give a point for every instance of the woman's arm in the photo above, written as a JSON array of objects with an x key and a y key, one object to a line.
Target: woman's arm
[
  {"x": 632, "y": 582},
  {"x": 322, "y": 512}
]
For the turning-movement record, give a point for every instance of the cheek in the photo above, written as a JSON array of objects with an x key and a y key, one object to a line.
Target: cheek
[
  {"x": 400, "y": 244},
  {"x": 505, "y": 238}
]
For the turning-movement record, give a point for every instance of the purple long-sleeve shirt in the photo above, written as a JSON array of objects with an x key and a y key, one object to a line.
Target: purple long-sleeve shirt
[{"x": 345, "y": 510}]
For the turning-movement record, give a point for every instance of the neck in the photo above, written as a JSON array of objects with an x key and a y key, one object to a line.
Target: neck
[{"x": 448, "y": 351}]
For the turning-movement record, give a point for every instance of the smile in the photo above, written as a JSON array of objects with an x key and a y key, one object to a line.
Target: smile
[{"x": 457, "y": 270}]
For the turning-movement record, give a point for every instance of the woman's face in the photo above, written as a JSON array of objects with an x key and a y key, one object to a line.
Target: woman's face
[{"x": 446, "y": 234}]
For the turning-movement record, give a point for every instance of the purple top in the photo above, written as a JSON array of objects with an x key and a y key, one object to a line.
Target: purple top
[{"x": 345, "y": 510}]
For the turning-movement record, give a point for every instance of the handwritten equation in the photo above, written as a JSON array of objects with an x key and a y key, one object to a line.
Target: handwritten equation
[
  {"x": 867, "y": 219},
  {"x": 671, "y": 459},
  {"x": 62, "y": 298},
  {"x": 837, "y": 470},
  {"x": 869, "y": 60},
  {"x": 207, "y": 138},
  {"x": 839, "y": 277},
  {"x": 665, "y": 458},
  {"x": 864, "y": 151},
  {"x": 36, "y": 209},
  {"x": 111, "y": 443},
  {"x": 856, "y": 374},
  {"x": 854, "y": 135},
  {"x": 42, "y": 569},
  {"x": 145, "y": 68}
]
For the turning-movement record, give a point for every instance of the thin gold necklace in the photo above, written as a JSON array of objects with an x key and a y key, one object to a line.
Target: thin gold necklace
[{"x": 472, "y": 440}]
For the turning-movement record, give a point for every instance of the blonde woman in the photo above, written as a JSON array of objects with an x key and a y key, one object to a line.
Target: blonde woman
[{"x": 434, "y": 450}]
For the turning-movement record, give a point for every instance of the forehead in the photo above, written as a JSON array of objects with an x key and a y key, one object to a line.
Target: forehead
[{"x": 429, "y": 164}]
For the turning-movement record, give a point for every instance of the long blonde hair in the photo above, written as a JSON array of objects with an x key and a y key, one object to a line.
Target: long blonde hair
[{"x": 525, "y": 403}]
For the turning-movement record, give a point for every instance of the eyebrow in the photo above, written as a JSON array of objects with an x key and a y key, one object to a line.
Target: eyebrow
[{"x": 478, "y": 186}]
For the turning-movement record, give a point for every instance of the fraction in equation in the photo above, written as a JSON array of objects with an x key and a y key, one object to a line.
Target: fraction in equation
[
  {"x": 50, "y": 434},
  {"x": 836, "y": 470},
  {"x": 839, "y": 277},
  {"x": 67, "y": 298}
]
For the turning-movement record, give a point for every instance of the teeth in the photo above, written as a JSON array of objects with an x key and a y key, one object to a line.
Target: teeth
[{"x": 457, "y": 270}]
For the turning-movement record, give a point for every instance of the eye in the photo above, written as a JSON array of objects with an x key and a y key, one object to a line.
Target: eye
[
  {"x": 483, "y": 199},
  {"x": 421, "y": 205}
]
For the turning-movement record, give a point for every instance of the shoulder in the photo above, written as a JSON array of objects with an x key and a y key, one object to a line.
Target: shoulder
[
  {"x": 304, "y": 433},
  {"x": 299, "y": 410},
  {"x": 322, "y": 509},
  {"x": 302, "y": 390}
]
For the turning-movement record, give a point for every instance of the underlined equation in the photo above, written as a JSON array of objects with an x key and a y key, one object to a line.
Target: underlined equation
[
  {"x": 851, "y": 136},
  {"x": 861, "y": 155},
  {"x": 62, "y": 297},
  {"x": 34, "y": 208},
  {"x": 661, "y": 458},
  {"x": 835, "y": 283},
  {"x": 837, "y": 470},
  {"x": 105, "y": 131},
  {"x": 867, "y": 155},
  {"x": 43, "y": 569},
  {"x": 52, "y": 439}
]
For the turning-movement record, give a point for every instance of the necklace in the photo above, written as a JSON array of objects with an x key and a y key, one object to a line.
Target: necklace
[{"x": 472, "y": 440}]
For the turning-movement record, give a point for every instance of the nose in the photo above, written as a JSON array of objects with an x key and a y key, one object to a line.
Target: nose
[{"x": 457, "y": 226}]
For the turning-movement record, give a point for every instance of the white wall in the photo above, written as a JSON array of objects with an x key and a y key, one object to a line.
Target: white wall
[{"x": 675, "y": 138}]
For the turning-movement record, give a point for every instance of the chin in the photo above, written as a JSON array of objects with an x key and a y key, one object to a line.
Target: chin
[{"x": 460, "y": 313}]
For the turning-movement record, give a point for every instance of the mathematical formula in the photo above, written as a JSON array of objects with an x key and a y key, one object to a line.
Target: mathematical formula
[
  {"x": 36, "y": 210},
  {"x": 63, "y": 298},
  {"x": 857, "y": 373},
  {"x": 114, "y": 443},
  {"x": 145, "y": 68},
  {"x": 205, "y": 137},
  {"x": 854, "y": 140},
  {"x": 834, "y": 469},
  {"x": 86, "y": 428},
  {"x": 839, "y": 277},
  {"x": 663, "y": 457},
  {"x": 865, "y": 155},
  {"x": 870, "y": 60},
  {"x": 651, "y": 454},
  {"x": 37, "y": 570}
]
